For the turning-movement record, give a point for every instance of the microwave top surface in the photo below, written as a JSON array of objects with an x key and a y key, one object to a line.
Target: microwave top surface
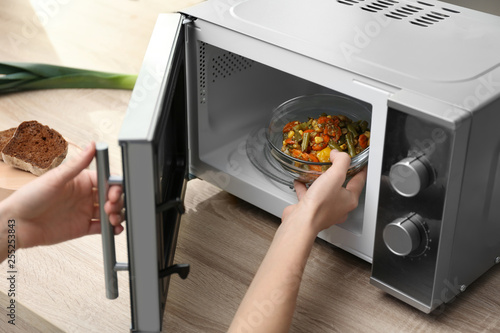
[{"x": 404, "y": 43}]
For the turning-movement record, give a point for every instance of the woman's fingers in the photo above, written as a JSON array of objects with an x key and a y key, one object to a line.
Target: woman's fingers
[
  {"x": 357, "y": 183},
  {"x": 335, "y": 175},
  {"x": 114, "y": 204},
  {"x": 300, "y": 189},
  {"x": 115, "y": 194}
]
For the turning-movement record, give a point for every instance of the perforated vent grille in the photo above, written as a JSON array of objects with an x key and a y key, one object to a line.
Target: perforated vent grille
[
  {"x": 218, "y": 66},
  {"x": 203, "y": 73},
  {"x": 419, "y": 13}
]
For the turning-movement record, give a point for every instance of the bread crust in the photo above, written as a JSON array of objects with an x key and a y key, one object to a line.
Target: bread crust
[
  {"x": 35, "y": 148},
  {"x": 5, "y": 137}
]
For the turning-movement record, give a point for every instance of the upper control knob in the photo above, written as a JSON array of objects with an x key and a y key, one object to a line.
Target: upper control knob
[
  {"x": 410, "y": 176},
  {"x": 403, "y": 236}
]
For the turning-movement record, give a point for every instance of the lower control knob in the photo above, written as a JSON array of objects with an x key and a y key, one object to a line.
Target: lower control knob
[{"x": 403, "y": 236}]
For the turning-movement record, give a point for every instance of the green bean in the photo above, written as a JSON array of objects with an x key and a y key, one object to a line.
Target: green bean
[
  {"x": 305, "y": 141},
  {"x": 356, "y": 125},
  {"x": 363, "y": 126},
  {"x": 351, "y": 127},
  {"x": 334, "y": 145},
  {"x": 350, "y": 144}
]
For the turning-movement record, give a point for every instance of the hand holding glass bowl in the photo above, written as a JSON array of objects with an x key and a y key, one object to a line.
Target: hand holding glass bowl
[{"x": 302, "y": 109}]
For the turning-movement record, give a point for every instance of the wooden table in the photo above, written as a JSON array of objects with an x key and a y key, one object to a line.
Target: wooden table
[{"x": 61, "y": 288}]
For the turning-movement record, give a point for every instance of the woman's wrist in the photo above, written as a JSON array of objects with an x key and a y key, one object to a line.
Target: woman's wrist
[
  {"x": 302, "y": 219},
  {"x": 298, "y": 226}
]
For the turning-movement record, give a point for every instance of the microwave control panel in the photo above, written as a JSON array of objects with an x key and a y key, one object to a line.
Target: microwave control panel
[{"x": 414, "y": 179}]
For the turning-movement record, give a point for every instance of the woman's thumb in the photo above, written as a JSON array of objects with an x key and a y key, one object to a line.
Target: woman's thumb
[{"x": 75, "y": 165}]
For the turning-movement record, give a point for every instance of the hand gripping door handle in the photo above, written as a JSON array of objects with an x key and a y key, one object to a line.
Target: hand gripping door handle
[{"x": 108, "y": 241}]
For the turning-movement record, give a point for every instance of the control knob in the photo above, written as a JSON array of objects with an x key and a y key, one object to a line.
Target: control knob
[
  {"x": 410, "y": 176},
  {"x": 405, "y": 235}
]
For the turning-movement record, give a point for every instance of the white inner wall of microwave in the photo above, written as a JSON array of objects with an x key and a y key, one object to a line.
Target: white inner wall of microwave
[{"x": 235, "y": 97}]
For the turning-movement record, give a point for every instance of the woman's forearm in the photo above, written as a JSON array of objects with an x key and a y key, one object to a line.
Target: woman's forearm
[{"x": 269, "y": 303}]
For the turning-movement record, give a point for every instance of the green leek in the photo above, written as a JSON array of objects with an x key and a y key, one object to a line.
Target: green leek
[{"x": 16, "y": 76}]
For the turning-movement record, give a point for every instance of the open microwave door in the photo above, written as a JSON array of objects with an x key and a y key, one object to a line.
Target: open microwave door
[{"x": 153, "y": 139}]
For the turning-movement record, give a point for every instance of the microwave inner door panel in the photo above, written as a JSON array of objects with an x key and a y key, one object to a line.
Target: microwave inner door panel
[{"x": 233, "y": 89}]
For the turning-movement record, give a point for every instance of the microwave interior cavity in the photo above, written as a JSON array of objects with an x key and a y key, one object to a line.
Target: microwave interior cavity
[{"x": 234, "y": 99}]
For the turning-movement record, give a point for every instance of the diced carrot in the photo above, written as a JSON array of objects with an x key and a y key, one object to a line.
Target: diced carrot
[
  {"x": 288, "y": 127},
  {"x": 363, "y": 141}
]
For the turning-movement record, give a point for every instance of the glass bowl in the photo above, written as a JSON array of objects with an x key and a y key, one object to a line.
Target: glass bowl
[{"x": 312, "y": 106}]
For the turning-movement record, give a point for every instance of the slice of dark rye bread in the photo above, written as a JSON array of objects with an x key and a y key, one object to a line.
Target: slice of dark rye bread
[
  {"x": 35, "y": 148},
  {"x": 5, "y": 136}
]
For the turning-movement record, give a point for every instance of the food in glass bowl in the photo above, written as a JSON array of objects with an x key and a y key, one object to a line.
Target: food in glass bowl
[
  {"x": 314, "y": 139},
  {"x": 304, "y": 130}
]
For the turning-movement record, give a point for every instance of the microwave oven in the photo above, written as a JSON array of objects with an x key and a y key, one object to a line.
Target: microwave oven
[{"x": 428, "y": 72}]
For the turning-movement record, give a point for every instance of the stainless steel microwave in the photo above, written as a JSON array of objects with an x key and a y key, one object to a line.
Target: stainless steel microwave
[{"x": 429, "y": 73}]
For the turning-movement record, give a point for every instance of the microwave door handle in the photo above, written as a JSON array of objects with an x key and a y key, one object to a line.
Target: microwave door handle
[{"x": 107, "y": 231}]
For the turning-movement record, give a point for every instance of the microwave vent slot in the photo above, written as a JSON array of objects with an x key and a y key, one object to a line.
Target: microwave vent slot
[
  {"x": 350, "y": 2},
  {"x": 203, "y": 73},
  {"x": 218, "y": 64},
  {"x": 419, "y": 13}
]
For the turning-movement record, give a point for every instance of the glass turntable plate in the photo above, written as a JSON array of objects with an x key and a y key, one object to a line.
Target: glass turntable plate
[{"x": 259, "y": 153}]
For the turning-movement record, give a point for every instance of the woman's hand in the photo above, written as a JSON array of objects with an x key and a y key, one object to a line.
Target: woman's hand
[
  {"x": 326, "y": 202},
  {"x": 60, "y": 205}
]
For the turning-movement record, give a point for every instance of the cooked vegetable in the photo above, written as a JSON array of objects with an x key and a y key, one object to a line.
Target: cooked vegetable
[
  {"x": 351, "y": 128},
  {"x": 307, "y": 157},
  {"x": 350, "y": 144},
  {"x": 31, "y": 76},
  {"x": 305, "y": 141},
  {"x": 334, "y": 145},
  {"x": 314, "y": 139},
  {"x": 363, "y": 126},
  {"x": 363, "y": 141},
  {"x": 324, "y": 155}
]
